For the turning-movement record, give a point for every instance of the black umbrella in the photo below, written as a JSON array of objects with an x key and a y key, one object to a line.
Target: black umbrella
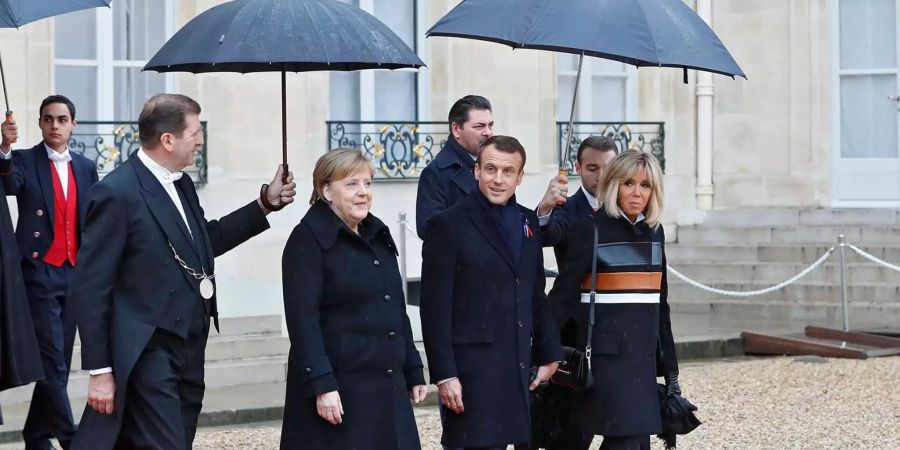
[
  {"x": 283, "y": 36},
  {"x": 662, "y": 33},
  {"x": 15, "y": 13}
]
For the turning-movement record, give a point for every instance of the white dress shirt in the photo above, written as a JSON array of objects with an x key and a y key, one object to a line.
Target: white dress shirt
[
  {"x": 60, "y": 161},
  {"x": 167, "y": 180}
]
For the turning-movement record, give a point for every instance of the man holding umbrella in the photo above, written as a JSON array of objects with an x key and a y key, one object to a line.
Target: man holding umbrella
[{"x": 145, "y": 290}]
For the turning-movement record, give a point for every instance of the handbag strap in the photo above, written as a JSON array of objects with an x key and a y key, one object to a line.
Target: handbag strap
[{"x": 590, "y": 331}]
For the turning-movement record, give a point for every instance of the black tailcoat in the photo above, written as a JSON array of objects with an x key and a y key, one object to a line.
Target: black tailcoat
[
  {"x": 446, "y": 181},
  {"x": 346, "y": 316},
  {"x": 632, "y": 340},
  {"x": 127, "y": 282},
  {"x": 485, "y": 320},
  {"x": 30, "y": 180}
]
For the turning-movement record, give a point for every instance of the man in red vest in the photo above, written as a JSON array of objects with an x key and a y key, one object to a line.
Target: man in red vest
[{"x": 51, "y": 186}]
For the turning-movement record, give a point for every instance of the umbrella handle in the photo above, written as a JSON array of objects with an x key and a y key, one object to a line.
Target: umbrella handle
[
  {"x": 12, "y": 121},
  {"x": 284, "y": 173},
  {"x": 565, "y": 180}
]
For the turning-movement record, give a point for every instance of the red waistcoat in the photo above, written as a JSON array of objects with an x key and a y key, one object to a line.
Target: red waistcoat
[{"x": 65, "y": 220}]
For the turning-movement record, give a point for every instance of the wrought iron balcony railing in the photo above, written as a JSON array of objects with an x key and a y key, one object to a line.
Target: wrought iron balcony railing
[
  {"x": 109, "y": 144},
  {"x": 399, "y": 150},
  {"x": 644, "y": 136}
]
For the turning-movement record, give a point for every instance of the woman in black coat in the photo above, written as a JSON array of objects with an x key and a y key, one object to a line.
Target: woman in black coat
[
  {"x": 353, "y": 366},
  {"x": 632, "y": 340}
]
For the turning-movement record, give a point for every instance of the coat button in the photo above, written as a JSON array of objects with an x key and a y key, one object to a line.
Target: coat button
[
  {"x": 177, "y": 319},
  {"x": 387, "y": 297},
  {"x": 376, "y": 262},
  {"x": 308, "y": 370},
  {"x": 521, "y": 324},
  {"x": 521, "y": 365},
  {"x": 39, "y": 212},
  {"x": 35, "y": 255},
  {"x": 392, "y": 335},
  {"x": 390, "y": 372},
  {"x": 172, "y": 293},
  {"x": 37, "y": 234}
]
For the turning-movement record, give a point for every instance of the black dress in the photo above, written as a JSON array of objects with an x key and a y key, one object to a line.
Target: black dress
[
  {"x": 632, "y": 338},
  {"x": 346, "y": 316}
]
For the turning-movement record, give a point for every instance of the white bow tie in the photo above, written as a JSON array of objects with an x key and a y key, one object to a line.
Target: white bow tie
[
  {"x": 60, "y": 157},
  {"x": 171, "y": 178}
]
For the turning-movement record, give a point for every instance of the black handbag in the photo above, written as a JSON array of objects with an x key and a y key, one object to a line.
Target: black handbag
[{"x": 574, "y": 370}]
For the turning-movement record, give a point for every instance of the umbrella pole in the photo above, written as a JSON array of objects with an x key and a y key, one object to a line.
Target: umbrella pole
[
  {"x": 284, "y": 161},
  {"x": 563, "y": 170},
  {"x": 9, "y": 114}
]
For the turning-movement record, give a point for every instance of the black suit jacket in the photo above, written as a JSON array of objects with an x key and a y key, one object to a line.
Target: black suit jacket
[
  {"x": 27, "y": 176},
  {"x": 127, "y": 282},
  {"x": 485, "y": 320},
  {"x": 446, "y": 181},
  {"x": 553, "y": 234}
]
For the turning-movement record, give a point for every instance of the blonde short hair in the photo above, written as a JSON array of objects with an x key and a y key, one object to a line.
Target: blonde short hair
[
  {"x": 623, "y": 167},
  {"x": 337, "y": 164}
]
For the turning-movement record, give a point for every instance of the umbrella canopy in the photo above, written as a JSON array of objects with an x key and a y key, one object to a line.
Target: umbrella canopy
[
  {"x": 664, "y": 33},
  {"x": 15, "y": 13},
  {"x": 283, "y": 35}
]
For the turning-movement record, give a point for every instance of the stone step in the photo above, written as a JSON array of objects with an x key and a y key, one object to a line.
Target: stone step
[
  {"x": 750, "y": 217},
  {"x": 222, "y": 373},
  {"x": 807, "y": 253},
  {"x": 801, "y": 291},
  {"x": 829, "y": 273},
  {"x": 774, "y": 316},
  {"x": 825, "y": 235},
  {"x": 235, "y": 326},
  {"x": 229, "y": 347}
]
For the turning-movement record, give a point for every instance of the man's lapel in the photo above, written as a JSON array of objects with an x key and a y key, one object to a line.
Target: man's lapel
[
  {"x": 486, "y": 226},
  {"x": 167, "y": 216},
  {"x": 45, "y": 178},
  {"x": 201, "y": 237}
]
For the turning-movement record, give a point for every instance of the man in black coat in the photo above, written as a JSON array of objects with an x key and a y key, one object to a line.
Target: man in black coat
[
  {"x": 144, "y": 286},
  {"x": 51, "y": 187},
  {"x": 557, "y": 214},
  {"x": 485, "y": 318},
  {"x": 449, "y": 178}
]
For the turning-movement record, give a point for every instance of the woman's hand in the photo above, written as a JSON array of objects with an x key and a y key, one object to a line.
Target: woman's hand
[
  {"x": 329, "y": 407},
  {"x": 418, "y": 393}
]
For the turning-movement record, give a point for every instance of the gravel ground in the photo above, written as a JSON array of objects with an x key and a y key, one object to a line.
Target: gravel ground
[{"x": 774, "y": 403}]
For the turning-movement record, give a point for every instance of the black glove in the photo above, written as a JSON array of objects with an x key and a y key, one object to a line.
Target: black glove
[{"x": 672, "y": 386}]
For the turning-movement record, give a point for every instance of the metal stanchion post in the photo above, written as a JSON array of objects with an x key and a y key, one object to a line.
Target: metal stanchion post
[
  {"x": 844, "y": 309},
  {"x": 402, "y": 251}
]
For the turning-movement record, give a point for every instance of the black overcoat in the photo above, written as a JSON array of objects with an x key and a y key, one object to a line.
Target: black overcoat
[
  {"x": 20, "y": 357},
  {"x": 445, "y": 181},
  {"x": 346, "y": 316},
  {"x": 632, "y": 339},
  {"x": 127, "y": 282},
  {"x": 485, "y": 320}
]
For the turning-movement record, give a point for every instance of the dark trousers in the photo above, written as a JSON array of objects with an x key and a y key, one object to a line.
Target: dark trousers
[
  {"x": 626, "y": 443},
  {"x": 50, "y": 414},
  {"x": 165, "y": 390}
]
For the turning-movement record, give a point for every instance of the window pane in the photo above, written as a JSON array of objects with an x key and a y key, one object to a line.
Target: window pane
[
  {"x": 133, "y": 88},
  {"x": 868, "y": 119},
  {"x": 600, "y": 65},
  {"x": 395, "y": 95},
  {"x": 868, "y": 34},
  {"x": 608, "y": 102},
  {"x": 75, "y": 35},
  {"x": 398, "y": 16},
  {"x": 138, "y": 28},
  {"x": 565, "y": 91},
  {"x": 566, "y": 62},
  {"x": 344, "y": 96},
  {"x": 79, "y": 83}
]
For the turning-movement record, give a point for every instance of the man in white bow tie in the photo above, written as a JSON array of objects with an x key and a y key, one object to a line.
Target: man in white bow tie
[
  {"x": 145, "y": 290},
  {"x": 51, "y": 186}
]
